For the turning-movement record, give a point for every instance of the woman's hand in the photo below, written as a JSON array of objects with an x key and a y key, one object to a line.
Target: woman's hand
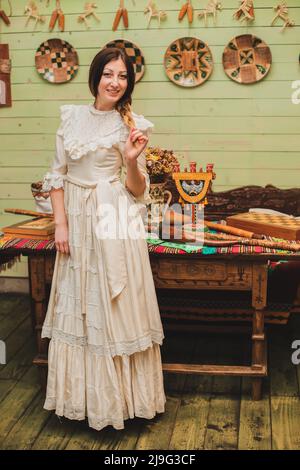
[
  {"x": 135, "y": 144},
  {"x": 62, "y": 238}
]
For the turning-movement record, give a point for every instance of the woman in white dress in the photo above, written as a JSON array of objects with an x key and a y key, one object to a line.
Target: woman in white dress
[{"x": 103, "y": 319}]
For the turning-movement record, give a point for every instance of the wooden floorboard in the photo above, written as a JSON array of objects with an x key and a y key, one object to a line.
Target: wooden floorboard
[{"x": 202, "y": 412}]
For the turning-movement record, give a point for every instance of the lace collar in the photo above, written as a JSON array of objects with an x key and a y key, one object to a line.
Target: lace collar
[
  {"x": 86, "y": 128},
  {"x": 99, "y": 112}
]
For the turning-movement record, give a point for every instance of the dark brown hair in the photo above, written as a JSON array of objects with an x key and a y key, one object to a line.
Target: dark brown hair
[{"x": 96, "y": 70}]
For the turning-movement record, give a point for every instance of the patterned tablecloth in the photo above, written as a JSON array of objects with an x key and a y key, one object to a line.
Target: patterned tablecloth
[{"x": 11, "y": 248}]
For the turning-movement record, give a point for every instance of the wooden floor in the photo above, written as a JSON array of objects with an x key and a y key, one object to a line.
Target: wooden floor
[{"x": 202, "y": 412}]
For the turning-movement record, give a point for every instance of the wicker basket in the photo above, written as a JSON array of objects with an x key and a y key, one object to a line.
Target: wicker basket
[{"x": 42, "y": 198}]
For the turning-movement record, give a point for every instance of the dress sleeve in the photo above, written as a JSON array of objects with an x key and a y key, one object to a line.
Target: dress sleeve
[
  {"x": 141, "y": 162},
  {"x": 55, "y": 177}
]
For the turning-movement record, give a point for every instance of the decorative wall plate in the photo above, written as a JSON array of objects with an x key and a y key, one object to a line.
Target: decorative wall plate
[
  {"x": 188, "y": 62},
  {"x": 134, "y": 53},
  {"x": 56, "y": 61},
  {"x": 247, "y": 59}
]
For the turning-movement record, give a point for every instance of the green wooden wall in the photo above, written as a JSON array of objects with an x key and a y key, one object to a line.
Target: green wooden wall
[{"x": 251, "y": 133}]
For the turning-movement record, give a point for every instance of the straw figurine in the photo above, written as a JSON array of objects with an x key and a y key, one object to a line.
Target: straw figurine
[
  {"x": 186, "y": 9},
  {"x": 4, "y": 16},
  {"x": 282, "y": 13},
  {"x": 88, "y": 11},
  {"x": 32, "y": 13},
  {"x": 211, "y": 10},
  {"x": 57, "y": 15},
  {"x": 245, "y": 12},
  {"x": 153, "y": 12}
]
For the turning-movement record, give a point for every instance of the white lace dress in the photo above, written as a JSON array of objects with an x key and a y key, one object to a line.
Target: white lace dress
[{"x": 102, "y": 317}]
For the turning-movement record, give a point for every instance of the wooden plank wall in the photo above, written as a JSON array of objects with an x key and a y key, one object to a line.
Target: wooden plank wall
[{"x": 251, "y": 133}]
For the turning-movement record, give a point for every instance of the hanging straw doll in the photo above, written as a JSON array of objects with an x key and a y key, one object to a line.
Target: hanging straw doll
[
  {"x": 88, "y": 11},
  {"x": 32, "y": 13},
  {"x": 154, "y": 12},
  {"x": 245, "y": 12}
]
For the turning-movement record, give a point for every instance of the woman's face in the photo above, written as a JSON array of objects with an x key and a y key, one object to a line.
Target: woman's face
[{"x": 113, "y": 83}]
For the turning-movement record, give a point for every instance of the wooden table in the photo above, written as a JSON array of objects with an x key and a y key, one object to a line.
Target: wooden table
[
  {"x": 221, "y": 272},
  {"x": 191, "y": 271}
]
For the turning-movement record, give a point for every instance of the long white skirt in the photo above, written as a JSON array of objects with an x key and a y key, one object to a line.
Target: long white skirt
[{"x": 105, "y": 363}]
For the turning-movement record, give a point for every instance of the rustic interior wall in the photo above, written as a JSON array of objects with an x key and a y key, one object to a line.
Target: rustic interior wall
[{"x": 251, "y": 133}]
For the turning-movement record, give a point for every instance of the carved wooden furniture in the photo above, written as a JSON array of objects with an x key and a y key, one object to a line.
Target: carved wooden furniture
[
  {"x": 175, "y": 274},
  {"x": 224, "y": 273}
]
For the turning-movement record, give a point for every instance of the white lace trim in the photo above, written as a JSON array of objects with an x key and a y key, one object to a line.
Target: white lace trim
[
  {"x": 98, "y": 424},
  {"x": 86, "y": 129},
  {"x": 52, "y": 180},
  {"x": 113, "y": 349}
]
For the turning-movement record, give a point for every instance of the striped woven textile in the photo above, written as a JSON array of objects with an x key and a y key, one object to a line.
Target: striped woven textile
[{"x": 12, "y": 243}]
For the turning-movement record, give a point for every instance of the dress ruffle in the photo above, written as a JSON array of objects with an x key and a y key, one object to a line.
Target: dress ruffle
[
  {"x": 51, "y": 180},
  {"x": 84, "y": 130},
  {"x": 108, "y": 390}
]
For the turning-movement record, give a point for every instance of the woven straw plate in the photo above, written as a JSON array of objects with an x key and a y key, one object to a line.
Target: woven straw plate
[
  {"x": 56, "y": 61},
  {"x": 134, "y": 53},
  {"x": 188, "y": 62},
  {"x": 247, "y": 59}
]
